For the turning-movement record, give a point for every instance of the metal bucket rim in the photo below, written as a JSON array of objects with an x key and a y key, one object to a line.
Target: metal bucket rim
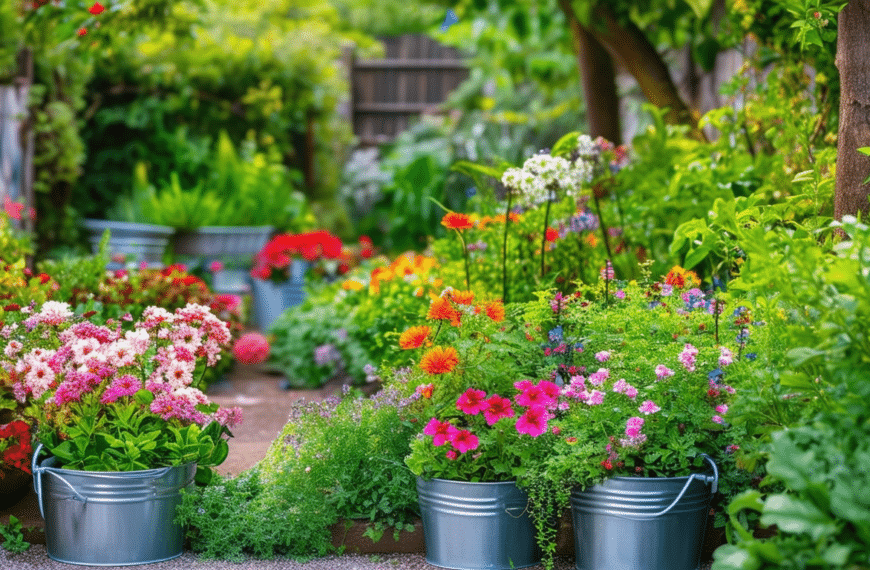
[
  {"x": 458, "y": 482},
  {"x": 97, "y": 224},
  {"x": 131, "y": 474}
]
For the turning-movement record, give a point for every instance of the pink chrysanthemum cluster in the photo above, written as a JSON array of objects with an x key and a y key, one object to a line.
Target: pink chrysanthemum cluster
[{"x": 72, "y": 359}]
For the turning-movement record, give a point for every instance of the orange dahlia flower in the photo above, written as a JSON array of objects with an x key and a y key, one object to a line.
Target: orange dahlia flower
[
  {"x": 457, "y": 221},
  {"x": 439, "y": 360},
  {"x": 414, "y": 337}
]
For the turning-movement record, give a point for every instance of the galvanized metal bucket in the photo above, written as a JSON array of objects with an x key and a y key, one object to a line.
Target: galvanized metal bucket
[
  {"x": 643, "y": 523},
  {"x": 271, "y": 299},
  {"x": 471, "y": 526},
  {"x": 110, "y": 518}
]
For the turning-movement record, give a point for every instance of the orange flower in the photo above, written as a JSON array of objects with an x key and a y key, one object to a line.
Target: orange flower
[
  {"x": 495, "y": 311},
  {"x": 442, "y": 309},
  {"x": 680, "y": 278},
  {"x": 462, "y": 297},
  {"x": 439, "y": 360},
  {"x": 456, "y": 221},
  {"x": 591, "y": 240},
  {"x": 414, "y": 337}
]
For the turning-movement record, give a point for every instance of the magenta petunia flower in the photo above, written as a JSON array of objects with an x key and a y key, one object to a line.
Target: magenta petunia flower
[
  {"x": 533, "y": 422},
  {"x": 534, "y": 397},
  {"x": 463, "y": 440},
  {"x": 550, "y": 389},
  {"x": 497, "y": 408},
  {"x": 472, "y": 402},
  {"x": 441, "y": 432},
  {"x": 648, "y": 407}
]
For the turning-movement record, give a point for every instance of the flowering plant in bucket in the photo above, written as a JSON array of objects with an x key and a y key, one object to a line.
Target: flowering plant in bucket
[
  {"x": 120, "y": 398},
  {"x": 274, "y": 260}
]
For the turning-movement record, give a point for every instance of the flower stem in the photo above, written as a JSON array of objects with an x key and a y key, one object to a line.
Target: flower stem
[
  {"x": 465, "y": 255},
  {"x": 504, "y": 278},
  {"x": 544, "y": 237}
]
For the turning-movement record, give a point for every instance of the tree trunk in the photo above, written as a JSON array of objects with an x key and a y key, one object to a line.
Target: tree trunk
[
  {"x": 853, "y": 62},
  {"x": 598, "y": 75},
  {"x": 630, "y": 47}
]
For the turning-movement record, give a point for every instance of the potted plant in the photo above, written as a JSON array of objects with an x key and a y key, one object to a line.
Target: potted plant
[
  {"x": 15, "y": 454},
  {"x": 123, "y": 428},
  {"x": 644, "y": 437},
  {"x": 478, "y": 433},
  {"x": 280, "y": 267}
]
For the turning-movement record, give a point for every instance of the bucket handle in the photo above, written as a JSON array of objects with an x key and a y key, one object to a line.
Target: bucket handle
[
  {"x": 38, "y": 471},
  {"x": 712, "y": 480},
  {"x": 37, "y": 480}
]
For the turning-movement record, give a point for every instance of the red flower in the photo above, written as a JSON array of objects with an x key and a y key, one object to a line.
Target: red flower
[
  {"x": 82, "y": 31},
  {"x": 96, "y": 9},
  {"x": 472, "y": 402},
  {"x": 463, "y": 440},
  {"x": 456, "y": 221},
  {"x": 552, "y": 234}
]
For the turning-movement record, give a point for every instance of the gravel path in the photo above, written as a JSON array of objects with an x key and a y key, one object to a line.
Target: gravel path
[{"x": 36, "y": 559}]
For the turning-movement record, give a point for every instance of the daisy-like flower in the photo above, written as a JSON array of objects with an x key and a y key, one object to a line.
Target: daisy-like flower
[
  {"x": 462, "y": 297},
  {"x": 414, "y": 337},
  {"x": 457, "y": 221},
  {"x": 442, "y": 309},
  {"x": 495, "y": 311},
  {"x": 439, "y": 360}
]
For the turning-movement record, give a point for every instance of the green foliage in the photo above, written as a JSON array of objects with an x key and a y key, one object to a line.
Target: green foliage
[
  {"x": 13, "y": 536},
  {"x": 335, "y": 459},
  {"x": 250, "y": 188},
  {"x": 822, "y": 519},
  {"x": 10, "y": 31}
]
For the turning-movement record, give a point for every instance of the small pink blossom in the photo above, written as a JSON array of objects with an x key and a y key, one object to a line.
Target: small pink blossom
[
  {"x": 602, "y": 356},
  {"x": 596, "y": 398},
  {"x": 631, "y": 392},
  {"x": 598, "y": 378},
  {"x": 648, "y": 407},
  {"x": 537, "y": 396},
  {"x": 722, "y": 408},
  {"x": 663, "y": 372},
  {"x": 620, "y": 294},
  {"x": 633, "y": 425},
  {"x": 687, "y": 357},
  {"x": 215, "y": 266},
  {"x": 229, "y": 417},
  {"x": 725, "y": 356},
  {"x": 451, "y": 455},
  {"x": 718, "y": 419}
]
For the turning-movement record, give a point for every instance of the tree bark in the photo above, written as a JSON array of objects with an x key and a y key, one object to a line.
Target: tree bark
[
  {"x": 598, "y": 75},
  {"x": 628, "y": 45},
  {"x": 853, "y": 62}
]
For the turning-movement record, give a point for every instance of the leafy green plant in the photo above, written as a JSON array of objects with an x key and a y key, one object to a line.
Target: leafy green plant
[
  {"x": 341, "y": 458},
  {"x": 13, "y": 536}
]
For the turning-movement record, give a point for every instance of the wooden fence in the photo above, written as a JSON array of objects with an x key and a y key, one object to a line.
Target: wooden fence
[{"x": 386, "y": 95}]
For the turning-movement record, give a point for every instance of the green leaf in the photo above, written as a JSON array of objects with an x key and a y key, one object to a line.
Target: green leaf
[
  {"x": 565, "y": 144},
  {"x": 471, "y": 168},
  {"x": 700, "y": 7},
  {"x": 796, "y": 516}
]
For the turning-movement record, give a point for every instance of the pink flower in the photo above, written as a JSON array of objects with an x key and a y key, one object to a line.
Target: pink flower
[
  {"x": 451, "y": 455},
  {"x": 215, "y": 266},
  {"x": 497, "y": 408},
  {"x": 663, "y": 372},
  {"x": 602, "y": 356},
  {"x": 442, "y": 432},
  {"x": 472, "y": 402},
  {"x": 230, "y": 417},
  {"x": 463, "y": 440},
  {"x": 648, "y": 407},
  {"x": 687, "y": 357},
  {"x": 718, "y": 419},
  {"x": 620, "y": 294},
  {"x": 550, "y": 389},
  {"x": 595, "y": 398},
  {"x": 533, "y": 422},
  {"x": 725, "y": 356},
  {"x": 722, "y": 408},
  {"x": 522, "y": 384},
  {"x": 251, "y": 348},
  {"x": 631, "y": 392},
  {"x": 536, "y": 397},
  {"x": 633, "y": 425},
  {"x": 598, "y": 378}
]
